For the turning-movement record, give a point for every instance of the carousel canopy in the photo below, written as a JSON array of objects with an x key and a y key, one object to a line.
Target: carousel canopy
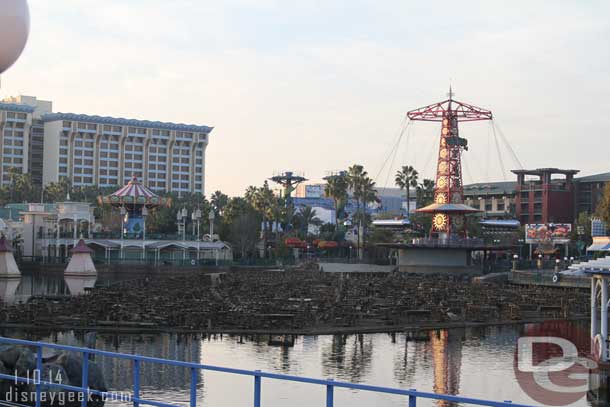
[
  {"x": 134, "y": 194},
  {"x": 448, "y": 208}
]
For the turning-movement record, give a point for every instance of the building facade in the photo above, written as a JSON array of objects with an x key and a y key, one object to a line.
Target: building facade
[
  {"x": 22, "y": 133},
  {"x": 545, "y": 199},
  {"x": 106, "y": 151},
  {"x": 103, "y": 151},
  {"x": 493, "y": 199}
]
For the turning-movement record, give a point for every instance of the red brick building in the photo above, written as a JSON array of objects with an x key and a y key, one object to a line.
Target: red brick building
[{"x": 544, "y": 199}]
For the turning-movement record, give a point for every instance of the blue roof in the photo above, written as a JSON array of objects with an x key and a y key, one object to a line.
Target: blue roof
[
  {"x": 51, "y": 117},
  {"x": 16, "y": 107}
]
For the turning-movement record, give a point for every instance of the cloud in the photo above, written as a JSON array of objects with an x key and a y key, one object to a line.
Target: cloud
[{"x": 319, "y": 86}]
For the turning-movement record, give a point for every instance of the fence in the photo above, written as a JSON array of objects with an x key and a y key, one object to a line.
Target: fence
[
  {"x": 548, "y": 278},
  {"x": 411, "y": 396}
]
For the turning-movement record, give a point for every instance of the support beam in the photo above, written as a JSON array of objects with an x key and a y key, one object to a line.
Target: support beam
[
  {"x": 604, "y": 318},
  {"x": 594, "y": 307}
]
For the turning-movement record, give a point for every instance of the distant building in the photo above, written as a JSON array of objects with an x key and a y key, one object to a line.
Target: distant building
[
  {"x": 545, "y": 199},
  {"x": 494, "y": 199},
  {"x": 391, "y": 200},
  {"x": 22, "y": 136},
  {"x": 103, "y": 151},
  {"x": 589, "y": 191}
]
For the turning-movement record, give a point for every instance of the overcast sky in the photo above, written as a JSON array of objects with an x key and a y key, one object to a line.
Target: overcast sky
[{"x": 320, "y": 85}]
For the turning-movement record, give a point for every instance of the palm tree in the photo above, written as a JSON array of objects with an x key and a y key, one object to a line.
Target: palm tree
[
  {"x": 307, "y": 216},
  {"x": 262, "y": 202},
  {"x": 425, "y": 192},
  {"x": 336, "y": 188},
  {"x": 219, "y": 201},
  {"x": 405, "y": 179},
  {"x": 250, "y": 194},
  {"x": 364, "y": 192}
]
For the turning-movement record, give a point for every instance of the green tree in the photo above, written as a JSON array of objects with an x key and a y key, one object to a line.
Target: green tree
[
  {"x": 425, "y": 193},
  {"x": 406, "y": 179},
  {"x": 336, "y": 188},
  {"x": 21, "y": 188},
  {"x": 603, "y": 207},
  {"x": 583, "y": 220},
  {"x": 219, "y": 201},
  {"x": 263, "y": 200},
  {"x": 364, "y": 192},
  {"x": 57, "y": 191},
  {"x": 305, "y": 217}
]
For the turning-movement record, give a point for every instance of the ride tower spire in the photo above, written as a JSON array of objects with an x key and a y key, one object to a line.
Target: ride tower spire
[{"x": 448, "y": 209}]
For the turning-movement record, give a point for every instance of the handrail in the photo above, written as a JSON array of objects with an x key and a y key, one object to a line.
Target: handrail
[{"x": 412, "y": 394}]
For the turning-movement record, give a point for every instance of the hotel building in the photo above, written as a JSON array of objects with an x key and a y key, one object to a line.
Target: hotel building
[
  {"x": 102, "y": 151},
  {"x": 21, "y": 136}
]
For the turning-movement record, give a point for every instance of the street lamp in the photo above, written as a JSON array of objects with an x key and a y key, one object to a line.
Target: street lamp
[
  {"x": 196, "y": 216},
  {"x": 181, "y": 217},
  {"x": 124, "y": 215},
  {"x": 211, "y": 217},
  {"x": 144, "y": 215}
]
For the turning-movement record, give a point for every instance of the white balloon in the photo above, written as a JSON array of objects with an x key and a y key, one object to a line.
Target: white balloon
[{"x": 14, "y": 30}]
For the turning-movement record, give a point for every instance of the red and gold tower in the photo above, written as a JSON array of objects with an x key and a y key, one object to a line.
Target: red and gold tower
[{"x": 448, "y": 209}]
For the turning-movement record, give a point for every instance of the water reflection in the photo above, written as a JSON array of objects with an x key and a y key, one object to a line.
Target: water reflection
[
  {"x": 476, "y": 362},
  {"x": 20, "y": 290},
  {"x": 8, "y": 289}
]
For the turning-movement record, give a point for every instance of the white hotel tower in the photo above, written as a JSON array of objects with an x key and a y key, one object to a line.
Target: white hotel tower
[{"x": 107, "y": 151}]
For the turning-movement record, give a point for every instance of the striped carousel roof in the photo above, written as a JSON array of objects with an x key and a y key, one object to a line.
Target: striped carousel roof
[{"x": 134, "y": 193}]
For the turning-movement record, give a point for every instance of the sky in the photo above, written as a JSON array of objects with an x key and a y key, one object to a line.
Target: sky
[{"x": 316, "y": 86}]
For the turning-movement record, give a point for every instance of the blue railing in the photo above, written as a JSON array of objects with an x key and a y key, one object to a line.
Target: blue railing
[{"x": 411, "y": 396}]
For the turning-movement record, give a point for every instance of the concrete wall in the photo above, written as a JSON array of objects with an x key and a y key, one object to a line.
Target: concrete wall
[
  {"x": 355, "y": 268},
  {"x": 50, "y": 161},
  {"x": 416, "y": 260}
]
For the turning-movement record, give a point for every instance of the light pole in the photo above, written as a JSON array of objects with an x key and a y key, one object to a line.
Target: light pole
[
  {"x": 144, "y": 215},
  {"x": 123, "y": 219},
  {"x": 181, "y": 216},
  {"x": 211, "y": 217},
  {"x": 196, "y": 216},
  {"x": 348, "y": 224}
]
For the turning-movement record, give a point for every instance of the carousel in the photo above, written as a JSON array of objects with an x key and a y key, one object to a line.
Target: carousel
[{"x": 134, "y": 202}]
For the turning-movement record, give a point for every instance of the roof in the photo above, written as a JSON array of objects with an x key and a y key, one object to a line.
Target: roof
[
  {"x": 540, "y": 171},
  {"x": 392, "y": 222},
  {"x": 52, "y": 117},
  {"x": 603, "y": 177},
  {"x": 448, "y": 207},
  {"x": 134, "y": 193},
  {"x": 4, "y": 246},
  {"x": 490, "y": 188},
  {"x": 81, "y": 247},
  {"x": 16, "y": 107},
  {"x": 501, "y": 223}
]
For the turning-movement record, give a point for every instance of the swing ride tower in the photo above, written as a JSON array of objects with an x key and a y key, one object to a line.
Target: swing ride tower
[{"x": 448, "y": 209}]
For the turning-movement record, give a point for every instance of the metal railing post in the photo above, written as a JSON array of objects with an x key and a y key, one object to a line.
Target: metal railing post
[
  {"x": 193, "y": 387},
  {"x": 330, "y": 395},
  {"x": 136, "y": 382},
  {"x": 257, "y": 389},
  {"x": 39, "y": 371},
  {"x": 412, "y": 399},
  {"x": 85, "y": 379}
]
